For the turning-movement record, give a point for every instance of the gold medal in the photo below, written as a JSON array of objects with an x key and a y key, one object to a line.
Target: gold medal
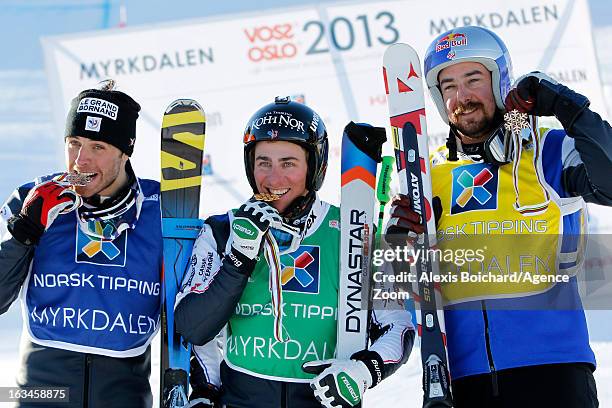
[{"x": 266, "y": 197}]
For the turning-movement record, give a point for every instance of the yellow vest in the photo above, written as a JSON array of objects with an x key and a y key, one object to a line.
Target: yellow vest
[{"x": 501, "y": 231}]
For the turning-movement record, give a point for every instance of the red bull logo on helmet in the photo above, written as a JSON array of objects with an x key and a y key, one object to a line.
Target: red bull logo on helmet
[{"x": 451, "y": 40}]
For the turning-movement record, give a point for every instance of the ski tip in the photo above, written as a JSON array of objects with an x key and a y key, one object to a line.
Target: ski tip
[
  {"x": 184, "y": 112},
  {"x": 399, "y": 51},
  {"x": 183, "y": 105}
]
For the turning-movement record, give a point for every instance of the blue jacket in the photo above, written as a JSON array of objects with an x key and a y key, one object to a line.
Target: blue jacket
[
  {"x": 91, "y": 306},
  {"x": 489, "y": 335}
]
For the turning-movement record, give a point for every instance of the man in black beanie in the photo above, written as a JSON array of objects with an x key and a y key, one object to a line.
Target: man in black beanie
[
  {"x": 85, "y": 249},
  {"x": 101, "y": 116}
]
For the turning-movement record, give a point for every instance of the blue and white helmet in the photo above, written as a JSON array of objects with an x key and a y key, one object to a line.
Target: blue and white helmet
[{"x": 468, "y": 44}]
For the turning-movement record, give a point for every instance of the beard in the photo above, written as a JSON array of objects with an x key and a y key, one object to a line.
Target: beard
[{"x": 475, "y": 130}]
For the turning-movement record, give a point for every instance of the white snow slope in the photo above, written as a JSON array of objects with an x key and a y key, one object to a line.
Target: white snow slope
[{"x": 403, "y": 389}]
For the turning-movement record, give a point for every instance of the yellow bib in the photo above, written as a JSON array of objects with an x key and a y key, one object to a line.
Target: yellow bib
[{"x": 509, "y": 220}]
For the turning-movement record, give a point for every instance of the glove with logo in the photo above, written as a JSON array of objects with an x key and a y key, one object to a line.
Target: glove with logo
[
  {"x": 538, "y": 94},
  {"x": 251, "y": 222},
  {"x": 40, "y": 208},
  {"x": 342, "y": 383},
  {"x": 404, "y": 220}
]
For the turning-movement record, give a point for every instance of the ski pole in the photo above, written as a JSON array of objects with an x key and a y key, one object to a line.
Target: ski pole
[{"x": 383, "y": 193}]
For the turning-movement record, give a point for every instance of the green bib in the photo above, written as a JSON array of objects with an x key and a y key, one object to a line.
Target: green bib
[{"x": 310, "y": 304}]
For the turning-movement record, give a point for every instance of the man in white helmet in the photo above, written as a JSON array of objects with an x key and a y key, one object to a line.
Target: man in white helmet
[{"x": 521, "y": 198}]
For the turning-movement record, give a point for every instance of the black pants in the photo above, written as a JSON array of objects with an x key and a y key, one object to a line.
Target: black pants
[{"x": 555, "y": 385}]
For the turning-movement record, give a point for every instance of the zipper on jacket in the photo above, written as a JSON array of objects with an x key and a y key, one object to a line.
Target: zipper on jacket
[
  {"x": 494, "y": 383},
  {"x": 86, "y": 381}
]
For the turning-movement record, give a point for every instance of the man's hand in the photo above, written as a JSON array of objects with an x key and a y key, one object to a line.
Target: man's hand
[
  {"x": 251, "y": 222},
  {"x": 340, "y": 383},
  {"x": 404, "y": 220},
  {"x": 40, "y": 208},
  {"x": 538, "y": 94},
  {"x": 205, "y": 396}
]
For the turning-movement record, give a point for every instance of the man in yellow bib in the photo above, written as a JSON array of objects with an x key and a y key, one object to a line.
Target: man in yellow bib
[{"x": 516, "y": 191}]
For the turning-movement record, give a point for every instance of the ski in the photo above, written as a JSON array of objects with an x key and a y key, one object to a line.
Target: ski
[
  {"x": 406, "y": 101},
  {"x": 182, "y": 147},
  {"x": 361, "y": 152}
]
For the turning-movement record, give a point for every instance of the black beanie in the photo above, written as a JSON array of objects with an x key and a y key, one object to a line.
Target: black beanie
[{"x": 106, "y": 116}]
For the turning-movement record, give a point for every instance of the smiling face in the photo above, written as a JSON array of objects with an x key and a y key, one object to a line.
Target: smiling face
[
  {"x": 468, "y": 97},
  {"x": 280, "y": 168},
  {"x": 103, "y": 161}
]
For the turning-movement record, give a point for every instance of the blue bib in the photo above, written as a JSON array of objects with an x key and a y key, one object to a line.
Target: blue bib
[{"x": 92, "y": 295}]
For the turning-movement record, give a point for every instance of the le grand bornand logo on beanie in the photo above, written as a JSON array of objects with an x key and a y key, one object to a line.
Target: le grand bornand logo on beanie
[
  {"x": 100, "y": 107},
  {"x": 93, "y": 123}
]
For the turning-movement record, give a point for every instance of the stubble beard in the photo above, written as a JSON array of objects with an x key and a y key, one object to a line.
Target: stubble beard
[{"x": 474, "y": 130}]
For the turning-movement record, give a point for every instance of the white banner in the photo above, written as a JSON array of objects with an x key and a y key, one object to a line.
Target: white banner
[{"x": 329, "y": 56}]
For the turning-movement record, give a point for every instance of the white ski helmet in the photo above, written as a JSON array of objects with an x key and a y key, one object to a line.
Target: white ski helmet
[{"x": 468, "y": 44}]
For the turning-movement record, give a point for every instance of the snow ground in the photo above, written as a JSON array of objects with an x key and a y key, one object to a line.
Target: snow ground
[{"x": 403, "y": 389}]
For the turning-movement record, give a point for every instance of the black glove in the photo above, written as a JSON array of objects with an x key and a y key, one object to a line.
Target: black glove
[
  {"x": 204, "y": 396},
  {"x": 40, "y": 208},
  {"x": 404, "y": 220},
  {"x": 540, "y": 95}
]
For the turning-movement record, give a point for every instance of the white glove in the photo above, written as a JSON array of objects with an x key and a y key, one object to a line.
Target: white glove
[
  {"x": 251, "y": 222},
  {"x": 340, "y": 383}
]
